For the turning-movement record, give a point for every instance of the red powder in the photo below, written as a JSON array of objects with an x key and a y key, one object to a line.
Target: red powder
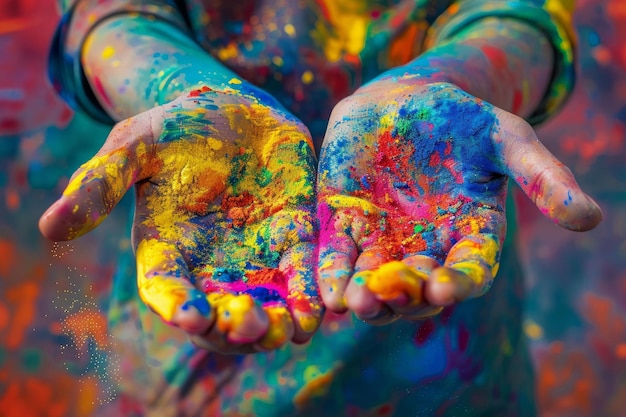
[
  {"x": 243, "y": 200},
  {"x": 238, "y": 216},
  {"x": 201, "y": 202},
  {"x": 302, "y": 304},
  {"x": 449, "y": 164},
  {"x": 266, "y": 276},
  {"x": 238, "y": 208},
  {"x": 435, "y": 160},
  {"x": 196, "y": 93}
]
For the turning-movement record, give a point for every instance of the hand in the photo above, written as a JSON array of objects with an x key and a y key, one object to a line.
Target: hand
[
  {"x": 411, "y": 186},
  {"x": 224, "y": 232}
]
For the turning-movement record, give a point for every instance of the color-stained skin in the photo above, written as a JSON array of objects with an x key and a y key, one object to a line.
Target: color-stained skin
[
  {"x": 425, "y": 184},
  {"x": 411, "y": 195},
  {"x": 394, "y": 151},
  {"x": 225, "y": 201},
  {"x": 576, "y": 282}
]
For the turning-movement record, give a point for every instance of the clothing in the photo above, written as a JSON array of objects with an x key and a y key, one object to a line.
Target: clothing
[
  {"x": 469, "y": 361},
  {"x": 298, "y": 74}
]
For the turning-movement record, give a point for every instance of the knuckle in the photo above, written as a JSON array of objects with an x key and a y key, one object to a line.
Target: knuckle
[
  {"x": 520, "y": 127},
  {"x": 334, "y": 302}
]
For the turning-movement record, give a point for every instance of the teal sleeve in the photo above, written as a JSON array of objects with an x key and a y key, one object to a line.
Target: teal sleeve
[
  {"x": 552, "y": 17},
  {"x": 79, "y": 19}
]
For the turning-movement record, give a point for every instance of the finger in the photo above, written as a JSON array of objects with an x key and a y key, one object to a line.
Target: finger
[
  {"x": 544, "y": 179},
  {"x": 361, "y": 297},
  {"x": 243, "y": 326},
  {"x": 468, "y": 271},
  {"x": 421, "y": 265},
  {"x": 396, "y": 285},
  {"x": 303, "y": 299},
  {"x": 364, "y": 304},
  {"x": 163, "y": 284},
  {"x": 99, "y": 184},
  {"x": 239, "y": 299},
  {"x": 240, "y": 323},
  {"x": 336, "y": 259},
  {"x": 340, "y": 215},
  {"x": 251, "y": 315},
  {"x": 239, "y": 318},
  {"x": 279, "y": 331}
]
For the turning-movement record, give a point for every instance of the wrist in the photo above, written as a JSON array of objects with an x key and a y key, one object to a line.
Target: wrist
[
  {"x": 504, "y": 62},
  {"x": 134, "y": 64},
  {"x": 406, "y": 80},
  {"x": 236, "y": 87}
]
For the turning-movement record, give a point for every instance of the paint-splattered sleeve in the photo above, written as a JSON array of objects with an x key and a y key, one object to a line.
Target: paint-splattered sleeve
[
  {"x": 552, "y": 17},
  {"x": 80, "y": 17}
]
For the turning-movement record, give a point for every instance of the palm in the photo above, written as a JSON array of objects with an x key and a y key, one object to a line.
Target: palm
[
  {"x": 225, "y": 197},
  {"x": 411, "y": 198},
  {"x": 426, "y": 197}
]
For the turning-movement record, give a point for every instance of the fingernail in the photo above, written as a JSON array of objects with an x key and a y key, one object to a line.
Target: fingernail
[
  {"x": 51, "y": 208},
  {"x": 593, "y": 202}
]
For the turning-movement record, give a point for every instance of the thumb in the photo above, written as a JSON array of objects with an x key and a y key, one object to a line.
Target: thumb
[
  {"x": 544, "y": 179},
  {"x": 99, "y": 184}
]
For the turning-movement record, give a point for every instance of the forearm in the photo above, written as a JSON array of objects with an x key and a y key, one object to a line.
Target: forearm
[
  {"x": 134, "y": 63},
  {"x": 503, "y": 61}
]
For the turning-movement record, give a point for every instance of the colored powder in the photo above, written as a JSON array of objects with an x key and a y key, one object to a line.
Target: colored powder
[
  {"x": 235, "y": 196},
  {"x": 227, "y": 275}
]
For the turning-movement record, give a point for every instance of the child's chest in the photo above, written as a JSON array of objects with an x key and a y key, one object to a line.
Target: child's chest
[
  {"x": 312, "y": 53},
  {"x": 333, "y": 28}
]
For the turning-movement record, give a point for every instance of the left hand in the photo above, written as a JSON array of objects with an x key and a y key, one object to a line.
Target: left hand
[{"x": 411, "y": 197}]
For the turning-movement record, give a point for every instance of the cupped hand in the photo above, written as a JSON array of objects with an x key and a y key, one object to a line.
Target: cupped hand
[
  {"x": 224, "y": 229},
  {"x": 411, "y": 187}
]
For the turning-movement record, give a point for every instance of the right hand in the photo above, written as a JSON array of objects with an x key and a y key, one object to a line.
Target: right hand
[{"x": 224, "y": 228}]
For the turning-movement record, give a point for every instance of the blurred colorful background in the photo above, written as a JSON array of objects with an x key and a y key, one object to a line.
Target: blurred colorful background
[{"x": 53, "y": 340}]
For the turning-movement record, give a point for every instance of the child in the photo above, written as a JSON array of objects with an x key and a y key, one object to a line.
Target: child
[{"x": 243, "y": 239}]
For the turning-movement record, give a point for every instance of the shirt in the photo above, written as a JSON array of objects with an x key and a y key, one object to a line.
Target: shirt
[{"x": 471, "y": 360}]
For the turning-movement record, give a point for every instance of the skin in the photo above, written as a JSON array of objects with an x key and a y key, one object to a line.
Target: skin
[
  {"x": 398, "y": 237},
  {"x": 216, "y": 212},
  {"x": 413, "y": 219}
]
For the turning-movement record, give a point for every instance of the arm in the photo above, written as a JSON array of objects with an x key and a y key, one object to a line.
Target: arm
[
  {"x": 224, "y": 234},
  {"x": 161, "y": 64},
  {"x": 512, "y": 53},
  {"x": 417, "y": 161},
  {"x": 502, "y": 61},
  {"x": 115, "y": 59}
]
